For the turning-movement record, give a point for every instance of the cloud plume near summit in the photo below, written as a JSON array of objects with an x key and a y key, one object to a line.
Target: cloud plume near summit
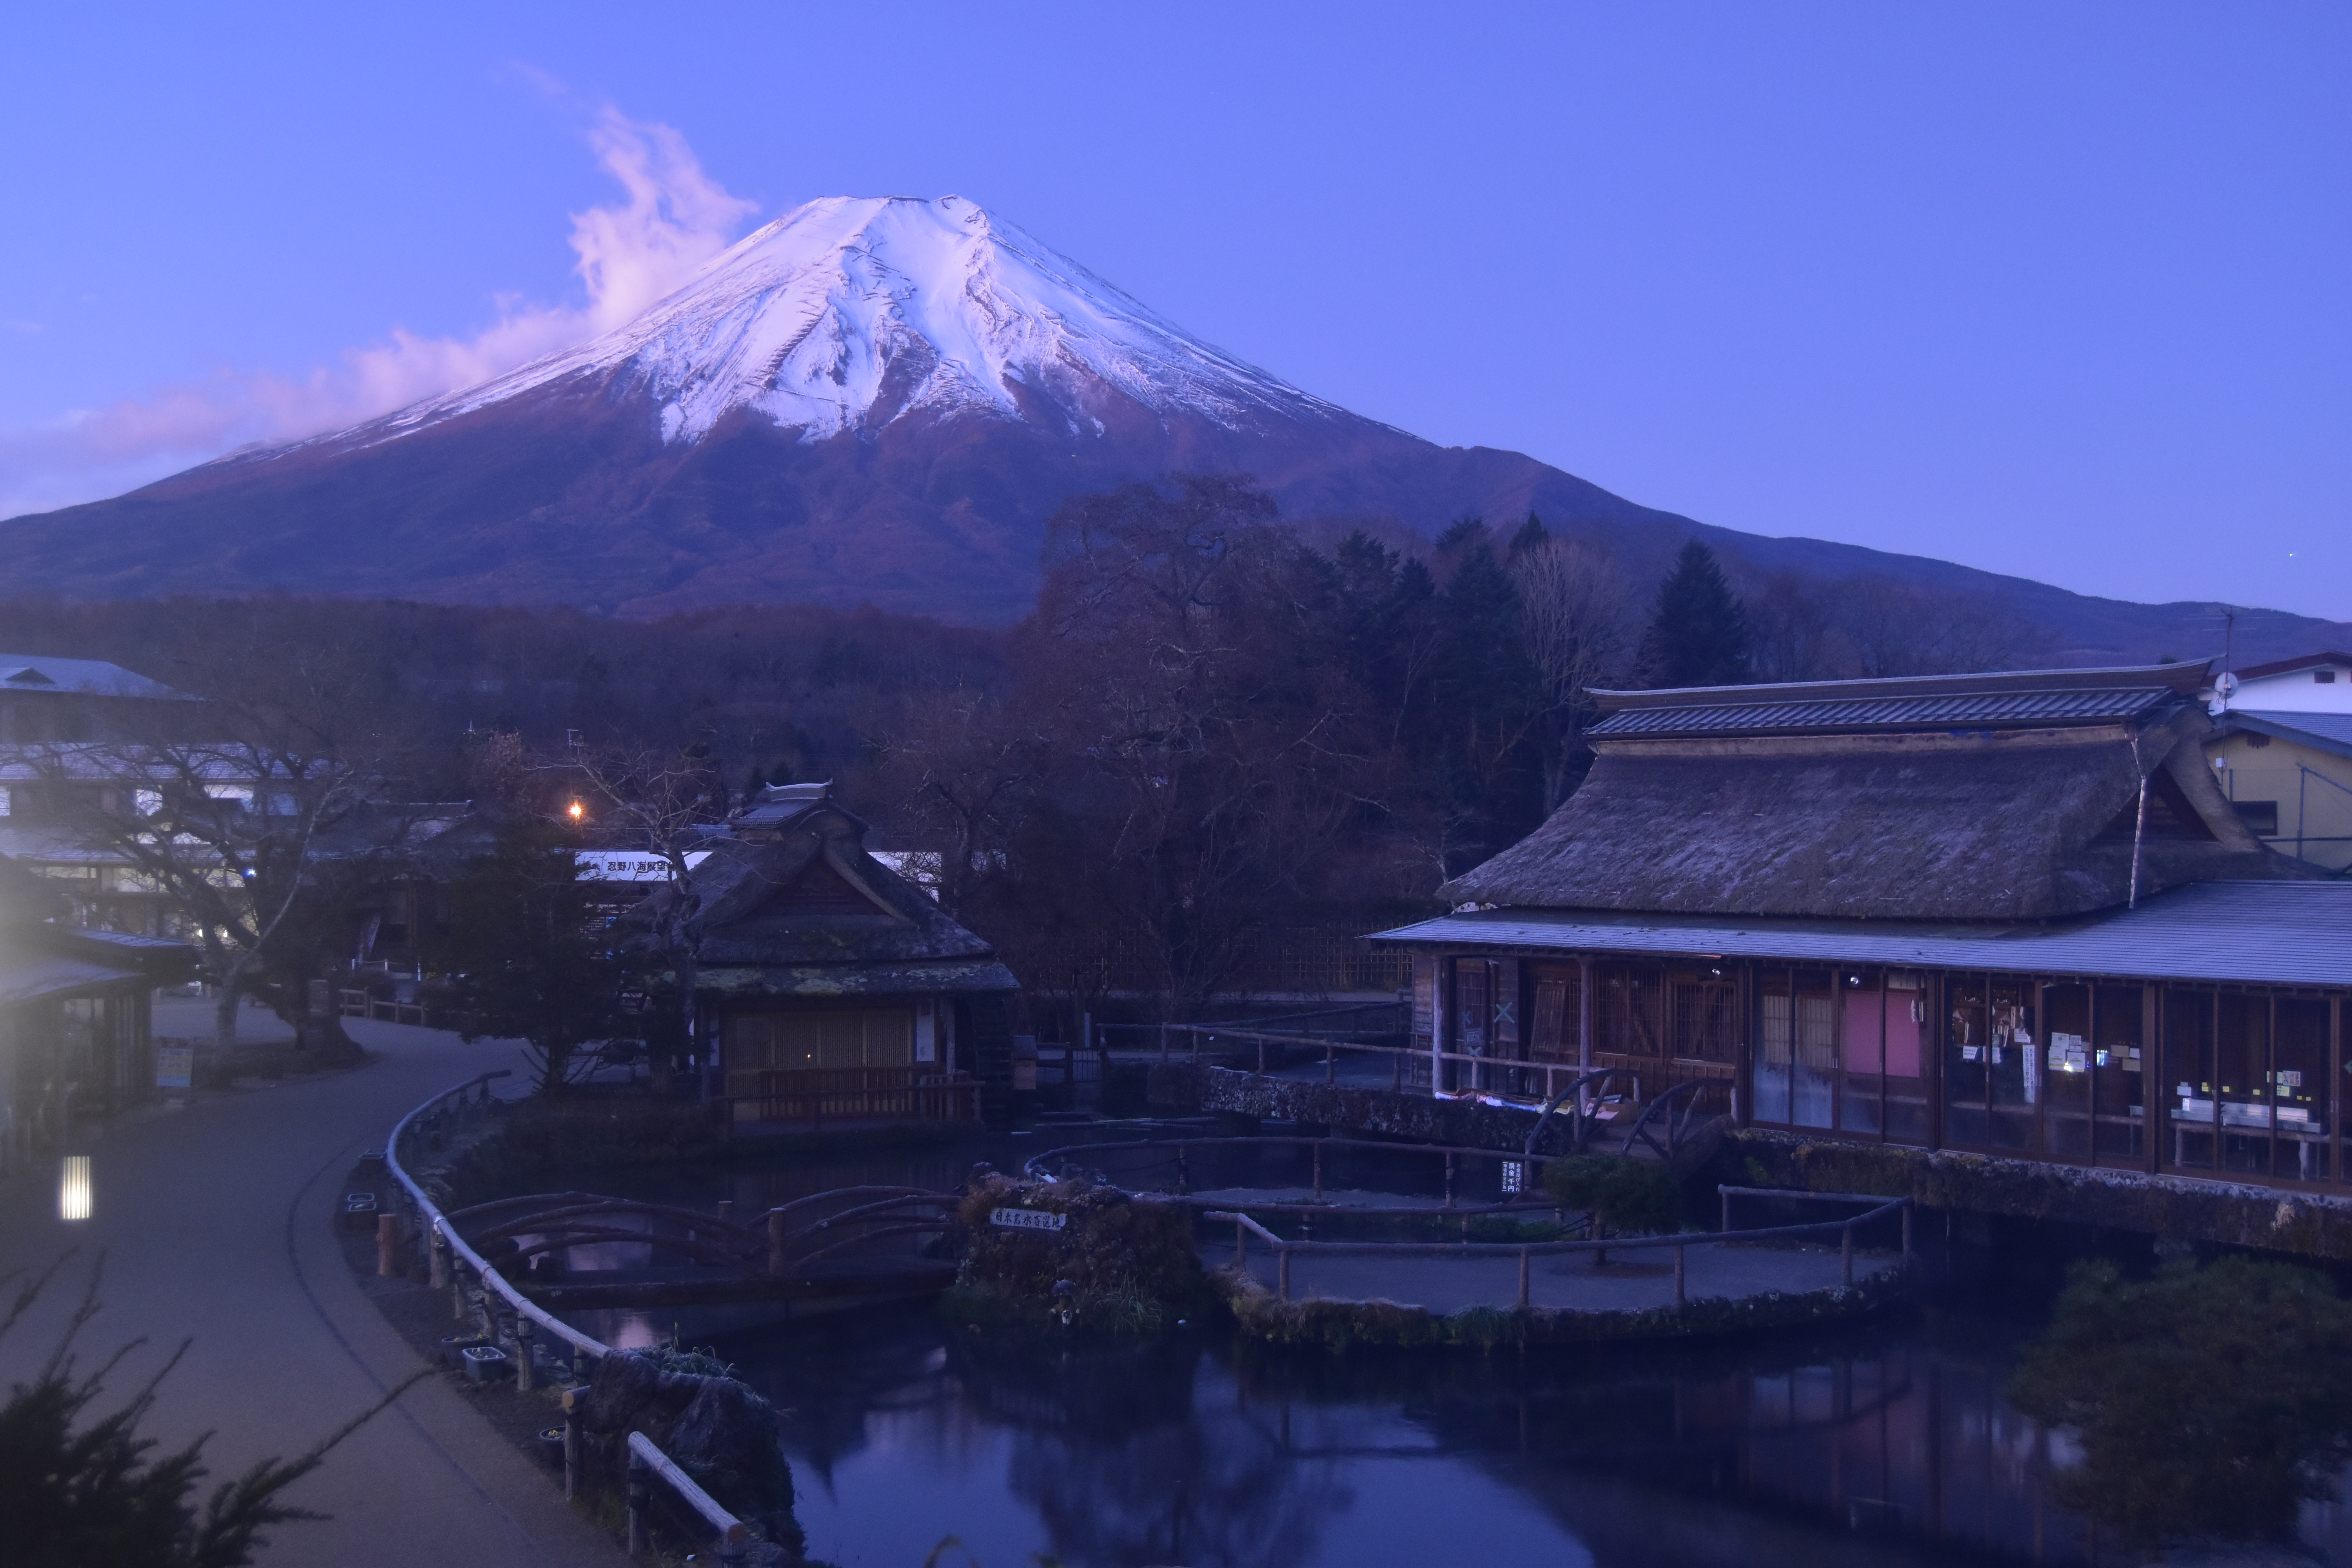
[{"x": 629, "y": 254}]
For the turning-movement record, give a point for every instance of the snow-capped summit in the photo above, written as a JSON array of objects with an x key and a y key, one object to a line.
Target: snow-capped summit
[
  {"x": 870, "y": 401},
  {"x": 850, "y": 313}
]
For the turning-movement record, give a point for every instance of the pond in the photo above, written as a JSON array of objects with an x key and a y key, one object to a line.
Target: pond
[{"x": 1888, "y": 1443}]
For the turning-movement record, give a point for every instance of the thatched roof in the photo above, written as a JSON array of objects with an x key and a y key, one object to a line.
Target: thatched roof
[
  {"x": 1886, "y": 804},
  {"x": 803, "y": 910}
]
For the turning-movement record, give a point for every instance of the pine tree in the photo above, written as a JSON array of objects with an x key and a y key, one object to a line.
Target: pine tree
[{"x": 1698, "y": 632}]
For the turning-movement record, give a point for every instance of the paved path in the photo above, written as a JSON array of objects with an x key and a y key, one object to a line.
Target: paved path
[
  {"x": 215, "y": 1221},
  {"x": 1629, "y": 1281}
]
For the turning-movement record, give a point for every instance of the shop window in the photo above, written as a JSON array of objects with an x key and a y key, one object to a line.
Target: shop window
[
  {"x": 2192, "y": 1108},
  {"x": 2118, "y": 1076},
  {"x": 1968, "y": 1065},
  {"x": 2299, "y": 1087}
]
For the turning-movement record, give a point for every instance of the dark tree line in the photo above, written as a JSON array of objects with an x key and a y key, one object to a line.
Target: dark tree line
[{"x": 1211, "y": 723}]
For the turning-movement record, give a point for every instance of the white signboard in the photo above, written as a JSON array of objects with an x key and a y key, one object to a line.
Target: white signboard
[
  {"x": 175, "y": 1066},
  {"x": 1028, "y": 1219},
  {"x": 631, "y": 865}
]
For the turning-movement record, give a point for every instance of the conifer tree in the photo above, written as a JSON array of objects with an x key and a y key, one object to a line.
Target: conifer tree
[{"x": 1698, "y": 632}]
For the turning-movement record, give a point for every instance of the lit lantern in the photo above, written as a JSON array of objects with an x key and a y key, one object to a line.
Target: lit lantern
[{"x": 73, "y": 1191}]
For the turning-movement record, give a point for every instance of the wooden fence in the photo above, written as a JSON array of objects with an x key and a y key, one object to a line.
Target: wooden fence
[{"x": 818, "y": 1095}]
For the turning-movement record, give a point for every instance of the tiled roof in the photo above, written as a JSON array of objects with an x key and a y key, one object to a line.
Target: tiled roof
[{"x": 1981, "y": 710}]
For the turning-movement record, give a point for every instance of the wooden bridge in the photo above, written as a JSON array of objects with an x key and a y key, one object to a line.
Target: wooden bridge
[{"x": 851, "y": 1243}]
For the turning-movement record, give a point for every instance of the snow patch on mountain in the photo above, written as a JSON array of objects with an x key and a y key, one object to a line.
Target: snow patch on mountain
[{"x": 847, "y": 313}]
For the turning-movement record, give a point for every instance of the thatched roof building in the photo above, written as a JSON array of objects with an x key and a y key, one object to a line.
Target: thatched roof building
[
  {"x": 837, "y": 989},
  {"x": 2008, "y": 796}
]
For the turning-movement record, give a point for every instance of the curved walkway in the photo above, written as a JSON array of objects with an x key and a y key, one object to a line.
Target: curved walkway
[{"x": 216, "y": 1223}]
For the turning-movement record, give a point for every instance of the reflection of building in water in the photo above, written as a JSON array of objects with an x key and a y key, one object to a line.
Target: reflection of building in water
[{"x": 1869, "y": 1450}]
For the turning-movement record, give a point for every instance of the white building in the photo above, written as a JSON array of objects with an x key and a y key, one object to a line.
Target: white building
[{"x": 2282, "y": 752}]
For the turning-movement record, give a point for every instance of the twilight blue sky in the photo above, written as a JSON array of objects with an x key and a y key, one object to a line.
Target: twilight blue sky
[{"x": 2057, "y": 289}]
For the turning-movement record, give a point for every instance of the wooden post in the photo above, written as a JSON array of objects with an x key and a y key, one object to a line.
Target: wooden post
[
  {"x": 1331, "y": 1063},
  {"x": 437, "y": 1257},
  {"x": 775, "y": 1243},
  {"x": 640, "y": 1487},
  {"x": 1241, "y": 1245},
  {"x": 1906, "y": 1230},
  {"x": 387, "y": 1246},
  {"x": 1523, "y": 1279},
  {"x": 1680, "y": 1297},
  {"x": 1281, "y": 1271},
  {"x": 1183, "y": 1171},
  {"x": 1449, "y": 1179},
  {"x": 526, "y": 1373},
  {"x": 1845, "y": 1254},
  {"x": 572, "y": 1425},
  {"x": 1396, "y": 1072},
  {"x": 1318, "y": 1172},
  {"x": 1726, "y": 1212},
  {"x": 457, "y": 1294},
  {"x": 1261, "y": 1057}
]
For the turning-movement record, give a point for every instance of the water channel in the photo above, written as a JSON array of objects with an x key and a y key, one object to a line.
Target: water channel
[{"x": 1884, "y": 1444}]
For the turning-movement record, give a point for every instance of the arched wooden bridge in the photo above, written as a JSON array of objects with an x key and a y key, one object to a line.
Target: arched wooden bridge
[{"x": 859, "y": 1243}]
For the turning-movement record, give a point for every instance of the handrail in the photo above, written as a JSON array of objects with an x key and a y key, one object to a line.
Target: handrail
[
  {"x": 1524, "y": 1251},
  {"x": 646, "y": 1458},
  {"x": 1547, "y": 1249},
  {"x": 1030, "y": 1167},
  {"x": 437, "y": 1225}
]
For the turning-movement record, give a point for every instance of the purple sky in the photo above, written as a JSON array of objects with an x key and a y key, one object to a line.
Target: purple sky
[{"x": 2053, "y": 290}]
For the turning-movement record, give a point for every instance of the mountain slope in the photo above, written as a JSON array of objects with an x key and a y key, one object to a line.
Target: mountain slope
[{"x": 865, "y": 401}]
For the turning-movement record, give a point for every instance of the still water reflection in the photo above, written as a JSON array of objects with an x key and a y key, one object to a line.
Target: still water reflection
[
  {"x": 1891, "y": 1446},
  {"x": 1883, "y": 1445}
]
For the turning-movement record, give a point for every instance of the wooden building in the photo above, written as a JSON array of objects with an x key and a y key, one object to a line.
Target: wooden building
[
  {"x": 76, "y": 1027},
  {"x": 2009, "y": 913},
  {"x": 835, "y": 989}
]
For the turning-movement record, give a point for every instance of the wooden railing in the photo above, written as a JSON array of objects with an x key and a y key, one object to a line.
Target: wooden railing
[
  {"x": 1876, "y": 1208},
  {"x": 360, "y": 1004},
  {"x": 818, "y": 1095},
  {"x": 509, "y": 1317}
]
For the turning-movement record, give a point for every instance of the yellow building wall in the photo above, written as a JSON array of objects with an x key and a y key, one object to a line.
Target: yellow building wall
[{"x": 2314, "y": 812}]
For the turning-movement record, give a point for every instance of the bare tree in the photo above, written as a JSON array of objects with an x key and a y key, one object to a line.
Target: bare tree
[
  {"x": 962, "y": 771},
  {"x": 1574, "y": 621},
  {"x": 658, "y": 799},
  {"x": 1913, "y": 628}
]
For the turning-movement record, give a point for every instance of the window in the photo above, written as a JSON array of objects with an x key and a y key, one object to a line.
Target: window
[
  {"x": 1703, "y": 1016},
  {"x": 2260, "y": 817},
  {"x": 1558, "y": 1018},
  {"x": 2325, "y": 677},
  {"x": 1626, "y": 1012}
]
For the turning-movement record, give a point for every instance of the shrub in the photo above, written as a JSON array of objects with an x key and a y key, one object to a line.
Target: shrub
[
  {"x": 2209, "y": 1402},
  {"x": 1624, "y": 1195}
]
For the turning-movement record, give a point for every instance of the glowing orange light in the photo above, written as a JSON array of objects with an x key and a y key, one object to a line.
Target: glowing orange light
[{"x": 577, "y": 811}]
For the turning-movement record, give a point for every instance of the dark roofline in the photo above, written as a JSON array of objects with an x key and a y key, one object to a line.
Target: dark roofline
[
  {"x": 2187, "y": 678},
  {"x": 2289, "y": 666},
  {"x": 2219, "y": 932}
]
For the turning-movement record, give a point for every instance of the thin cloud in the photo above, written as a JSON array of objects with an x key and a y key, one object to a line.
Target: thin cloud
[{"x": 675, "y": 218}]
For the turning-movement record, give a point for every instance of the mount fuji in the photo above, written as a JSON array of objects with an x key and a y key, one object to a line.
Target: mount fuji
[{"x": 867, "y": 401}]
